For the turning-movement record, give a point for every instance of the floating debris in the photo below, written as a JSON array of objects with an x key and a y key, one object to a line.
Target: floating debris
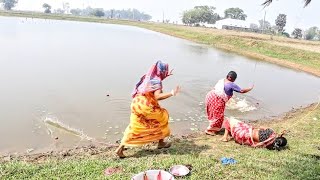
[
  {"x": 193, "y": 129},
  {"x": 110, "y": 127},
  {"x": 116, "y": 133},
  {"x": 30, "y": 150},
  {"x": 117, "y": 127},
  {"x": 178, "y": 119},
  {"x": 49, "y": 131}
]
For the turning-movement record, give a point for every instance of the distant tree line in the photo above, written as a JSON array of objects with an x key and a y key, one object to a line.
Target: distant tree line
[
  {"x": 207, "y": 14},
  {"x": 8, "y": 4},
  {"x": 132, "y": 14}
]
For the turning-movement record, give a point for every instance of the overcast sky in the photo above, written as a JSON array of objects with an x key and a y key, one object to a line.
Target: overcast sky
[{"x": 297, "y": 16}]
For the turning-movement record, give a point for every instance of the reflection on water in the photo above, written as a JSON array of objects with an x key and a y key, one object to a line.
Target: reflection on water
[{"x": 82, "y": 74}]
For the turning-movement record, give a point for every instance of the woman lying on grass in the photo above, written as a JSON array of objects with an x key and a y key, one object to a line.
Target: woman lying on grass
[{"x": 255, "y": 137}]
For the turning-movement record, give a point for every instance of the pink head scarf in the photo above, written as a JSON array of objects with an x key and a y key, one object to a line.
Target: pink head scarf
[{"x": 152, "y": 81}]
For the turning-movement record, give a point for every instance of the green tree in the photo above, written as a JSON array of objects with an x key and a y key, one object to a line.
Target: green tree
[
  {"x": 254, "y": 26},
  {"x": 8, "y": 4},
  {"x": 59, "y": 11},
  {"x": 268, "y": 2},
  {"x": 98, "y": 12},
  {"x": 190, "y": 17},
  {"x": 312, "y": 33},
  {"x": 281, "y": 22},
  {"x": 286, "y": 34},
  {"x": 76, "y": 12},
  {"x": 297, "y": 33},
  {"x": 235, "y": 13},
  {"x": 88, "y": 11},
  {"x": 264, "y": 24},
  {"x": 206, "y": 14},
  {"x": 47, "y": 8},
  {"x": 200, "y": 14}
]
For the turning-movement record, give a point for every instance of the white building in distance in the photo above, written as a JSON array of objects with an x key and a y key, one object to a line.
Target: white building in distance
[{"x": 232, "y": 24}]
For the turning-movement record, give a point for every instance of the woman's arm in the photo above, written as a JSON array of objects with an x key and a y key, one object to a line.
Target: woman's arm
[
  {"x": 246, "y": 90},
  {"x": 159, "y": 95}
]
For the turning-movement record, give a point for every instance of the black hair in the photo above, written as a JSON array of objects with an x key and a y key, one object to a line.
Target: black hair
[
  {"x": 278, "y": 143},
  {"x": 232, "y": 75}
]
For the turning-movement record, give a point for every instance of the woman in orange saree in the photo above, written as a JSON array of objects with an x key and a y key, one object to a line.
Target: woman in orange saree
[{"x": 148, "y": 121}]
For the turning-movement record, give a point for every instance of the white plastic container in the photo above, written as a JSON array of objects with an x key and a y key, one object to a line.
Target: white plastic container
[
  {"x": 153, "y": 175},
  {"x": 179, "y": 170}
]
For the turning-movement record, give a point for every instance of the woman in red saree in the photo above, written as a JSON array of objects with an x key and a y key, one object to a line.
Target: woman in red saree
[
  {"x": 246, "y": 134},
  {"x": 148, "y": 121},
  {"x": 216, "y": 101}
]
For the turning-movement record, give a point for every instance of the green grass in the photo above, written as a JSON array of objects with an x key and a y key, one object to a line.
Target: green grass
[
  {"x": 252, "y": 46},
  {"x": 300, "y": 161}
]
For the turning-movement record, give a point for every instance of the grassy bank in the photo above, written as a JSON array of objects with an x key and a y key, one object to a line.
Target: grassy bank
[
  {"x": 296, "y": 54},
  {"x": 300, "y": 161}
]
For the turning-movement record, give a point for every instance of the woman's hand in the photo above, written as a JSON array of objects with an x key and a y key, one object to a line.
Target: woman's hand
[
  {"x": 170, "y": 73},
  {"x": 251, "y": 87},
  {"x": 247, "y": 89},
  {"x": 175, "y": 91}
]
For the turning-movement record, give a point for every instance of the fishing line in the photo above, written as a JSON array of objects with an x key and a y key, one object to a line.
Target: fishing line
[
  {"x": 306, "y": 114},
  {"x": 254, "y": 72}
]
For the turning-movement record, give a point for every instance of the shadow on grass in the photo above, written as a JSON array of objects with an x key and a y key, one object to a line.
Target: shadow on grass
[{"x": 179, "y": 147}]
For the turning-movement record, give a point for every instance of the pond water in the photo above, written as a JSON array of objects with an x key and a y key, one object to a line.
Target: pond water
[{"x": 55, "y": 77}]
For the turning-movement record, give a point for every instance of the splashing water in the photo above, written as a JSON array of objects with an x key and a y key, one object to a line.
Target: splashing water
[
  {"x": 239, "y": 104},
  {"x": 59, "y": 125}
]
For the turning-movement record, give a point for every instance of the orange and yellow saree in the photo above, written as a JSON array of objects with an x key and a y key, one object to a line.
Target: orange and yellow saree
[{"x": 148, "y": 121}]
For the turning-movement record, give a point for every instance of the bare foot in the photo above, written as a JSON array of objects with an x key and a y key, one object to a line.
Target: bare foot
[
  {"x": 162, "y": 145},
  {"x": 224, "y": 139},
  {"x": 211, "y": 133},
  {"x": 119, "y": 153}
]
